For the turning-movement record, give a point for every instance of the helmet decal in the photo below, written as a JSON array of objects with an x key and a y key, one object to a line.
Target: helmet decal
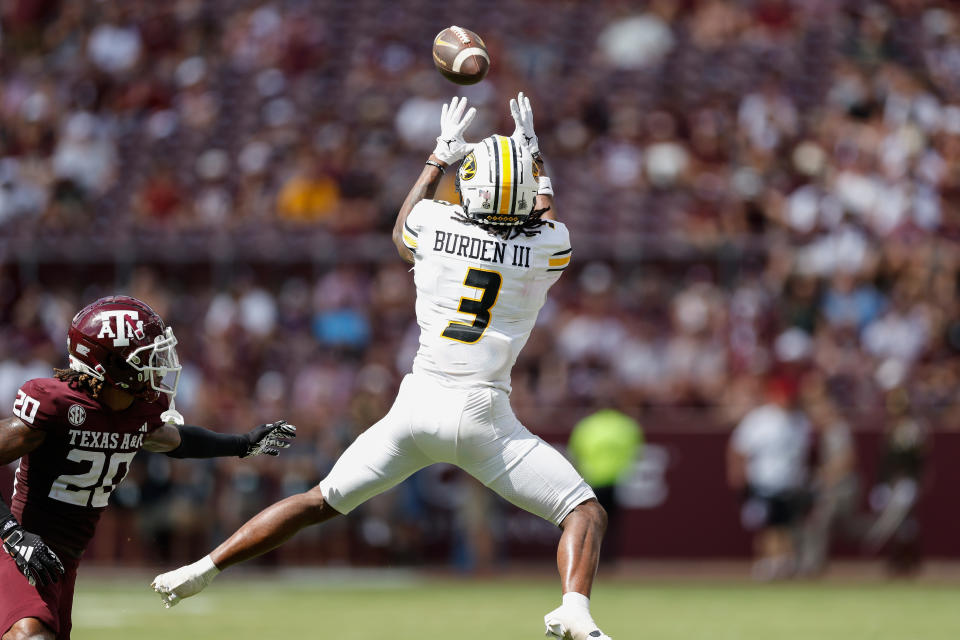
[
  {"x": 123, "y": 319},
  {"x": 468, "y": 169},
  {"x": 485, "y": 196}
]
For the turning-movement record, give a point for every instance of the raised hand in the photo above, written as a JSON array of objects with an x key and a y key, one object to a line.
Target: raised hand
[
  {"x": 451, "y": 147},
  {"x": 523, "y": 133}
]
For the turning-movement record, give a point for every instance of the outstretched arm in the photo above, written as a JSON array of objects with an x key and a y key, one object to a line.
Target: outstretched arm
[
  {"x": 424, "y": 188},
  {"x": 451, "y": 147},
  {"x": 188, "y": 441},
  {"x": 525, "y": 136}
]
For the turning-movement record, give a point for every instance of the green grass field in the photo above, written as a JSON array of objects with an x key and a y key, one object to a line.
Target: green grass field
[{"x": 407, "y": 607}]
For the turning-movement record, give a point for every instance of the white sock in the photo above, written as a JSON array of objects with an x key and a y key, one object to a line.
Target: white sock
[
  {"x": 204, "y": 567},
  {"x": 577, "y": 601}
]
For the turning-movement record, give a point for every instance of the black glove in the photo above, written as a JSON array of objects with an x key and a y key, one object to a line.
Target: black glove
[
  {"x": 36, "y": 561},
  {"x": 268, "y": 439}
]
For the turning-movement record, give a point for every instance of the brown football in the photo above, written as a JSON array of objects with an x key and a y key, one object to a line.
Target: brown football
[{"x": 460, "y": 55}]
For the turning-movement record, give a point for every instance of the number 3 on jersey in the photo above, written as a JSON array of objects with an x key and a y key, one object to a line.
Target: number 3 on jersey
[{"x": 489, "y": 282}]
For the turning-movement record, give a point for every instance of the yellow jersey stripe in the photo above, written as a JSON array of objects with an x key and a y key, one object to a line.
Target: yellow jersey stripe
[
  {"x": 409, "y": 241},
  {"x": 506, "y": 175},
  {"x": 559, "y": 262}
]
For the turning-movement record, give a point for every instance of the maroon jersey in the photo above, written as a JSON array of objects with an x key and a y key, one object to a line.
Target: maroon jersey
[{"x": 62, "y": 486}]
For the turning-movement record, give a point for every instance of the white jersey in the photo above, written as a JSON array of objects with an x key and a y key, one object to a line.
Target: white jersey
[{"x": 478, "y": 295}]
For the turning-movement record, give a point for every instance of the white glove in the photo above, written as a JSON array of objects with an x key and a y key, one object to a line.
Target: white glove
[
  {"x": 522, "y": 114},
  {"x": 451, "y": 147},
  {"x": 184, "y": 582}
]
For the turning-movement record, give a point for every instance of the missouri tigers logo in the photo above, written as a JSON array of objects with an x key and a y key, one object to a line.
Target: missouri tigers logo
[{"x": 469, "y": 167}]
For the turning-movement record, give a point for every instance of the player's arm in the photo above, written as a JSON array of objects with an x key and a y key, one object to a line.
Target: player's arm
[
  {"x": 425, "y": 187},
  {"x": 187, "y": 441},
  {"x": 37, "y": 563},
  {"x": 17, "y": 440},
  {"x": 451, "y": 147},
  {"x": 545, "y": 192},
  {"x": 525, "y": 136}
]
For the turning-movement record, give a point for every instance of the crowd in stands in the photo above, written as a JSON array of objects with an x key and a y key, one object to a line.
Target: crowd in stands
[{"x": 755, "y": 189}]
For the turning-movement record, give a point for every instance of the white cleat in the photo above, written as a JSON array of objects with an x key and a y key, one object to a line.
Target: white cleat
[{"x": 564, "y": 623}]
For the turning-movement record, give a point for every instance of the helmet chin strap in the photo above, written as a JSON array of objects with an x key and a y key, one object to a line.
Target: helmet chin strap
[
  {"x": 172, "y": 416},
  {"x": 79, "y": 366}
]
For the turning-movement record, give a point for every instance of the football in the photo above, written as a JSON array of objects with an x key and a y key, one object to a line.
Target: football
[{"x": 460, "y": 55}]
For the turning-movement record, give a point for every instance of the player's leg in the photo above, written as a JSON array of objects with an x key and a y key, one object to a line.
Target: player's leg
[
  {"x": 265, "y": 531},
  {"x": 381, "y": 457},
  {"x": 579, "y": 550},
  {"x": 272, "y": 527},
  {"x": 26, "y": 611},
  {"x": 66, "y": 586},
  {"x": 29, "y": 629},
  {"x": 500, "y": 452}
]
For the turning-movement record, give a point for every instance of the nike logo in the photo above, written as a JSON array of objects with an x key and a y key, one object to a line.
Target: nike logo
[{"x": 444, "y": 43}]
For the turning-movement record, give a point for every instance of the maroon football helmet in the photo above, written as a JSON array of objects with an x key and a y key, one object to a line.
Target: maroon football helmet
[{"x": 123, "y": 342}]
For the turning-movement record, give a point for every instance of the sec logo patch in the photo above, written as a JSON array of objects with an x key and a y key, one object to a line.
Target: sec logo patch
[{"x": 76, "y": 415}]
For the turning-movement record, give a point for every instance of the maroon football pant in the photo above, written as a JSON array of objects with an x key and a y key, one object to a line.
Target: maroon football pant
[{"x": 52, "y": 605}]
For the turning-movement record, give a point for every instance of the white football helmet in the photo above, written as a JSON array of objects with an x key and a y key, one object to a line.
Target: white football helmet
[{"x": 497, "y": 182}]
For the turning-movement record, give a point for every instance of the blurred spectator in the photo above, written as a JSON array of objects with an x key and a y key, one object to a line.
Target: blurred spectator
[
  {"x": 85, "y": 154},
  {"x": 899, "y": 483},
  {"x": 19, "y": 196},
  {"x": 848, "y": 303},
  {"x": 310, "y": 195},
  {"x": 160, "y": 197},
  {"x": 637, "y": 41},
  {"x": 20, "y": 362},
  {"x": 835, "y": 487},
  {"x": 114, "y": 48},
  {"x": 767, "y": 463}
]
